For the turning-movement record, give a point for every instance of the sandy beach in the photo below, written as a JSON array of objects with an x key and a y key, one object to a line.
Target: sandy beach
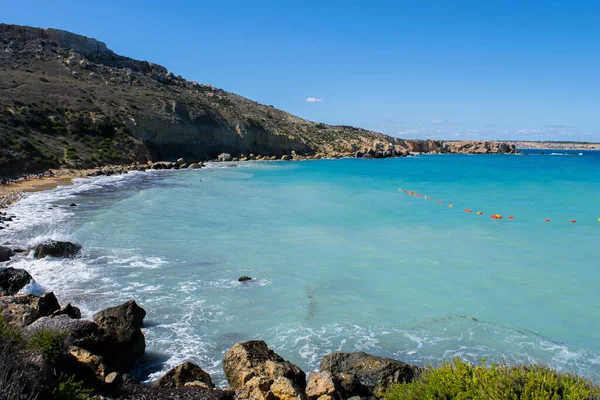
[{"x": 14, "y": 191}]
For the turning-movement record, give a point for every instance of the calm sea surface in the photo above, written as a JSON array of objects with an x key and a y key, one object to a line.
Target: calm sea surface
[{"x": 341, "y": 258}]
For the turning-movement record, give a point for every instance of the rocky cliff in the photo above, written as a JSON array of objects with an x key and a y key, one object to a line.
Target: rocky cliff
[{"x": 68, "y": 100}]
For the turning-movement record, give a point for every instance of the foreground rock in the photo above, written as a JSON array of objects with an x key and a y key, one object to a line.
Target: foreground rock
[
  {"x": 183, "y": 374},
  {"x": 5, "y": 253},
  {"x": 362, "y": 374},
  {"x": 12, "y": 280},
  {"x": 256, "y": 372},
  {"x": 121, "y": 328},
  {"x": 324, "y": 386},
  {"x": 56, "y": 249},
  {"x": 22, "y": 310},
  {"x": 77, "y": 332},
  {"x": 142, "y": 392}
]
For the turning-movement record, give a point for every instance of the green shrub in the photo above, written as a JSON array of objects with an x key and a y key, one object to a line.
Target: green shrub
[
  {"x": 461, "y": 380},
  {"x": 9, "y": 335},
  {"x": 48, "y": 342},
  {"x": 69, "y": 389}
]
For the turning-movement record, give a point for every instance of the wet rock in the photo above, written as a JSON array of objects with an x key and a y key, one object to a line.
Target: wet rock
[
  {"x": 255, "y": 371},
  {"x": 123, "y": 337},
  {"x": 193, "y": 166},
  {"x": 56, "y": 249},
  {"x": 12, "y": 280},
  {"x": 224, "y": 157},
  {"x": 68, "y": 310},
  {"x": 23, "y": 309},
  {"x": 359, "y": 154},
  {"x": 185, "y": 373},
  {"x": 244, "y": 278},
  {"x": 374, "y": 374},
  {"x": 5, "y": 253},
  {"x": 72, "y": 205},
  {"x": 286, "y": 157}
]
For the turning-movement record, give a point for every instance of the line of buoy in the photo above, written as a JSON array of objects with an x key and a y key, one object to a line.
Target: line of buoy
[{"x": 493, "y": 216}]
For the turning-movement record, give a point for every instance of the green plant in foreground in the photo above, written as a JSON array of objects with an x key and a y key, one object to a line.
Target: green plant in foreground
[
  {"x": 48, "y": 342},
  {"x": 69, "y": 389},
  {"x": 460, "y": 380}
]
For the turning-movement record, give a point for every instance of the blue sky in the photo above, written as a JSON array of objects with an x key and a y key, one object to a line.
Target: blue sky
[{"x": 525, "y": 70}]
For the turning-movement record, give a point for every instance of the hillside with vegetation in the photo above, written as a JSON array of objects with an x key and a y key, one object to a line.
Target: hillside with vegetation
[{"x": 68, "y": 101}]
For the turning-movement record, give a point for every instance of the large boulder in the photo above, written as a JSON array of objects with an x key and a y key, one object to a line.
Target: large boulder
[
  {"x": 5, "y": 253},
  {"x": 22, "y": 310},
  {"x": 77, "y": 332},
  {"x": 123, "y": 337},
  {"x": 57, "y": 249},
  {"x": 193, "y": 166},
  {"x": 362, "y": 374},
  {"x": 185, "y": 373},
  {"x": 224, "y": 157},
  {"x": 256, "y": 372},
  {"x": 12, "y": 280}
]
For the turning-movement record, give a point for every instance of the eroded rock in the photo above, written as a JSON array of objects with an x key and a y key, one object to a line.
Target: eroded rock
[
  {"x": 256, "y": 372},
  {"x": 323, "y": 384},
  {"x": 121, "y": 328},
  {"x": 22, "y": 310}
]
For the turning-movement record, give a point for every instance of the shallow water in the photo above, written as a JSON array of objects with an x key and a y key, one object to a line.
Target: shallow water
[{"x": 342, "y": 259}]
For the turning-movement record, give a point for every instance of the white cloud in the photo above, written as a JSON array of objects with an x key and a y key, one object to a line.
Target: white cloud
[
  {"x": 530, "y": 131},
  {"x": 314, "y": 100},
  {"x": 443, "y": 122}
]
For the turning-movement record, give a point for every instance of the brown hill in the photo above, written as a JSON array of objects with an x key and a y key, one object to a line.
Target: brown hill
[{"x": 67, "y": 100}]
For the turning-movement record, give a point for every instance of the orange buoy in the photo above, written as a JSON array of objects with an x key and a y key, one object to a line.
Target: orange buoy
[
  {"x": 441, "y": 202},
  {"x": 467, "y": 210},
  {"x": 450, "y": 205},
  {"x": 573, "y": 221},
  {"x": 497, "y": 216},
  {"x": 511, "y": 217},
  {"x": 479, "y": 213},
  {"x": 547, "y": 220}
]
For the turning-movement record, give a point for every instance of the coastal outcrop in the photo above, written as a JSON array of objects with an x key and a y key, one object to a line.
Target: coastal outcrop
[{"x": 57, "y": 249}]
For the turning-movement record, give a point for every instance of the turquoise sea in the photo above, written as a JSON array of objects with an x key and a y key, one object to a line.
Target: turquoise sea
[{"x": 341, "y": 258}]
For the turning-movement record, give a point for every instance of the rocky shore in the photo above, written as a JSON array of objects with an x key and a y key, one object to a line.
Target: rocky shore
[{"x": 100, "y": 352}]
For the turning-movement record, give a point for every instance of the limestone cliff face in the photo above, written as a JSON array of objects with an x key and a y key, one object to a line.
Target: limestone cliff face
[{"x": 68, "y": 100}]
